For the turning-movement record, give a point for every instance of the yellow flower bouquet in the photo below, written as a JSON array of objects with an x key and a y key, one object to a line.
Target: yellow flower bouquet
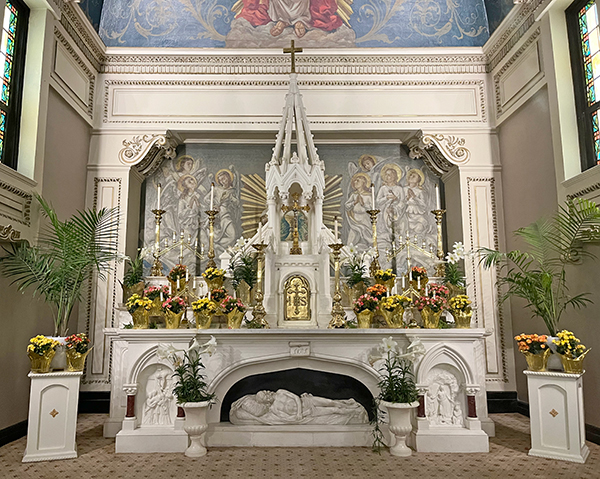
[
  {"x": 395, "y": 301},
  {"x": 136, "y": 301},
  {"x": 205, "y": 305},
  {"x": 571, "y": 351},
  {"x": 384, "y": 275},
  {"x": 459, "y": 302},
  {"x": 213, "y": 273},
  {"x": 41, "y": 350}
]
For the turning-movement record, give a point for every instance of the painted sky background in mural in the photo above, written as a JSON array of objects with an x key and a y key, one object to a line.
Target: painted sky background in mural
[
  {"x": 364, "y": 23},
  {"x": 404, "y": 190}
]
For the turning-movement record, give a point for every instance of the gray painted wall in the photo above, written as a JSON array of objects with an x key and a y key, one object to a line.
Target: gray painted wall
[{"x": 66, "y": 153}]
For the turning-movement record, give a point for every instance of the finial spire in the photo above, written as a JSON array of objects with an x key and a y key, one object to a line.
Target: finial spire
[{"x": 293, "y": 51}]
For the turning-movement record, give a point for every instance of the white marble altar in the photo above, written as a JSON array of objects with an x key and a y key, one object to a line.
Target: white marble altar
[{"x": 452, "y": 369}]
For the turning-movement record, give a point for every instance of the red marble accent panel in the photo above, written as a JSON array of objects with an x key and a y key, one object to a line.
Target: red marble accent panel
[
  {"x": 421, "y": 407},
  {"x": 180, "y": 412},
  {"x": 130, "y": 406},
  {"x": 472, "y": 408}
]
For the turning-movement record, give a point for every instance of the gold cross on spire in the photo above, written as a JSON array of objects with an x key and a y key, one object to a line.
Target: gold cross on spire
[{"x": 293, "y": 51}]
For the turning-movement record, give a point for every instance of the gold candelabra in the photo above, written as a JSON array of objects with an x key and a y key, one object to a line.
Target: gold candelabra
[
  {"x": 259, "y": 312},
  {"x": 375, "y": 263},
  {"x": 440, "y": 269},
  {"x": 211, "y": 238},
  {"x": 338, "y": 317},
  {"x": 157, "y": 265}
]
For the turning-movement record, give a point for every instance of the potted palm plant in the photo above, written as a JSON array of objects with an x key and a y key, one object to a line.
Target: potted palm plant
[
  {"x": 67, "y": 255},
  {"x": 538, "y": 275},
  {"x": 191, "y": 389},
  {"x": 398, "y": 394}
]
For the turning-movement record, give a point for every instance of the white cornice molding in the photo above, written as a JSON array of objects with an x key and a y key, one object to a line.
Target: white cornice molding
[{"x": 78, "y": 27}]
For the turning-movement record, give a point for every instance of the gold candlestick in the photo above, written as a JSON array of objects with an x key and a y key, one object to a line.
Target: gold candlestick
[
  {"x": 259, "y": 313},
  {"x": 338, "y": 317},
  {"x": 211, "y": 238},
  {"x": 440, "y": 269},
  {"x": 375, "y": 263},
  {"x": 157, "y": 265}
]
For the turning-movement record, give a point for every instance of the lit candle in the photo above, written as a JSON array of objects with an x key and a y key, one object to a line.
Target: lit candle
[
  {"x": 335, "y": 228},
  {"x": 212, "y": 195},
  {"x": 372, "y": 196},
  {"x": 438, "y": 201},
  {"x": 158, "y": 201}
]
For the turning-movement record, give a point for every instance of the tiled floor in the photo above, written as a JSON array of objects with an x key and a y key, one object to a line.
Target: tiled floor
[{"x": 97, "y": 459}]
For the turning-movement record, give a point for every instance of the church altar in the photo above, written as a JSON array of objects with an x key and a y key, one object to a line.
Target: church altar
[{"x": 450, "y": 376}]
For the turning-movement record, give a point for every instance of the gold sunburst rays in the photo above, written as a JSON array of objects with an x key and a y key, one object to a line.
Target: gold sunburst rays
[{"x": 254, "y": 201}]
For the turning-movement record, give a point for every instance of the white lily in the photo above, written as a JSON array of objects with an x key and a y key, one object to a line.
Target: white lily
[
  {"x": 388, "y": 345},
  {"x": 165, "y": 351}
]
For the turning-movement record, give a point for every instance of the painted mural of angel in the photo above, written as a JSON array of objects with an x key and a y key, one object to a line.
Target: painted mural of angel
[
  {"x": 356, "y": 207},
  {"x": 300, "y": 15},
  {"x": 227, "y": 202},
  {"x": 371, "y": 166},
  {"x": 390, "y": 198},
  {"x": 416, "y": 218}
]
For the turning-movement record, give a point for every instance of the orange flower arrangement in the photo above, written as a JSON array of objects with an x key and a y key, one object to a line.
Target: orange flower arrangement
[
  {"x": 532, "y": 343},
  {"x": 377, "y": 290}
]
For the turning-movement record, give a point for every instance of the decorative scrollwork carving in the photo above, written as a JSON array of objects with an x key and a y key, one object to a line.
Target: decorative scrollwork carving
[
  {"x": 147, "y": 151},
  {"x": 8, "y": 233},
  {"x": 452, "y": 147}
]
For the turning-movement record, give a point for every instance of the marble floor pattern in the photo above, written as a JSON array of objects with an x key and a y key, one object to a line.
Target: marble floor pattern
[{"x": 97, "y": 459}]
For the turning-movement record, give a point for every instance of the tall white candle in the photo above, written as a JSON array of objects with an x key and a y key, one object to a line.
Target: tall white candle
[
  {"x": 372, "y": 196},
  {"x": 158, "y": 201},
  {"x": 212, "y": 196},
  {"x": 178, "y": 284},
  {"x": 171, "y": 288},
  {"x": 438, "y": 200},
  {"x": 335, "y": 228},
  {"x": 194, "y": 286},
  {"x": 419, "y": 282},
  {"x": 161, "y": 297},
  {"x": 187, "y": 275},
  {"x": 427, "y": 290},
  {"x": 410, "y": 275},
  {"x": 403, "y": 283}
]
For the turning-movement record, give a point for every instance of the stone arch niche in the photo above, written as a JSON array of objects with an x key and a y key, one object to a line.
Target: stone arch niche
[{"x": 299, "y": 381}]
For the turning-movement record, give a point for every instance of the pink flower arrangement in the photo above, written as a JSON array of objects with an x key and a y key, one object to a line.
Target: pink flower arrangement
[
  {"x": 175, "y": 304},
  {"x": 177, "y": 272},
  {"x": 366, "y": 302},
  {"x": 439, "y": 303},
  {"x": 153, "y": 292},
  {"x": 230, "y": 304},
  {"x": 218, "y": 294},
  {"x": 436, "y": 289}
]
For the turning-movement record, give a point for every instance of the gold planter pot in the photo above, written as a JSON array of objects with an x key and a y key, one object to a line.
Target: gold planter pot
[
  {"x": 234, "y": 319},
  {"x": 141, "y": 318},
  {"x": 462, "y": 318},
  {"x": 355, "y": 291},
  {"x": 75, "y": 360},
  {"x": 537, "y": 362},
  {"x": 172, "y": 320},
  {"x": 573, "y": 365},
  {"x": 41, "y": 363},
  {"x": 214, "y": 283},
  {"x": 431, "y": 319},
  {"x": 203, "y": 319},
  {"x": 156, "y": 309},
  {"x": 394, "y": 319},
  {"x": 364, "y": 319}
]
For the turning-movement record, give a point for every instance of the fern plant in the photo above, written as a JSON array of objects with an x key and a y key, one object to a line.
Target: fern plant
[
  {"x": 134, "y": 273},
  {"x": 244, "y": 268},
  {"x": 68, "y": 253},
  {"x": 191, "y": 384},
  {"x": 539, "y": 274}
]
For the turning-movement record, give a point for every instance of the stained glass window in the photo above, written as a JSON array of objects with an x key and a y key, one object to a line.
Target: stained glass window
[{"x": 12, "y": 61}]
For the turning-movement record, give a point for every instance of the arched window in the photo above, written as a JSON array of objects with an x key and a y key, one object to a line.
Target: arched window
[{"x": 12, "y": 65}]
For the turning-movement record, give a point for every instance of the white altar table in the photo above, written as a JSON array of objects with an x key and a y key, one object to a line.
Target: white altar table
[{"x": 450, "y": 377}]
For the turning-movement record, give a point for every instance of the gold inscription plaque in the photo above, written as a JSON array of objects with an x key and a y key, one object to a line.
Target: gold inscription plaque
[{"x": 297, "y": 299}]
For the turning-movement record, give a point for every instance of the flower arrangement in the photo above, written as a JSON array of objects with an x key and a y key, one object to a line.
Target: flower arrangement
[
  {"x": 568, "y": 345},
  {"x": 460, "y": 303},
  {"x": 230, "y": 304},
  {"x": 178, "y": 272},
  {"x": 191, "y": 383},
  {"x": 40, "y": 345},
  {"x": 79, "y": 343},
  {"x": 377, "y": 290},
  {"x": 357, "y": 267},
  {"x": 205, "y": 305},
  {"x": 532, "y": 343},
  {"x": 176, "y": 304},
  {"x": 384, "y": 275},
  {"x": 395, "y": 301},
  {"x": 213, "y": 273},
  {"x": 218, "y": 294},
  {"x": 366, "y": 302},
  {"x": 418, "y": 272},
  {"x": 154, "y": 292},
  {"x": 435, "y": 303},
  {"x": 436, "y": 289},
  {"x": 136, "y": 301}
]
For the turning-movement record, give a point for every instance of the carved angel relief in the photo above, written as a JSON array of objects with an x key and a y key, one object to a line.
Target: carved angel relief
[{"x": 442, "y": 402}]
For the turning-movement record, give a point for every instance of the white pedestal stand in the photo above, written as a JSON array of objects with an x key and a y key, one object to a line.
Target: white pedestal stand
[
  {"x": 556, "y": 412},
  {"x": 52, "y": 416}
]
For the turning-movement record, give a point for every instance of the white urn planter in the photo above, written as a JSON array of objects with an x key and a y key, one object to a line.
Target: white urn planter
[
  {"x": 195, "y": 425},
  {"x": 400, "y": 422}
]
